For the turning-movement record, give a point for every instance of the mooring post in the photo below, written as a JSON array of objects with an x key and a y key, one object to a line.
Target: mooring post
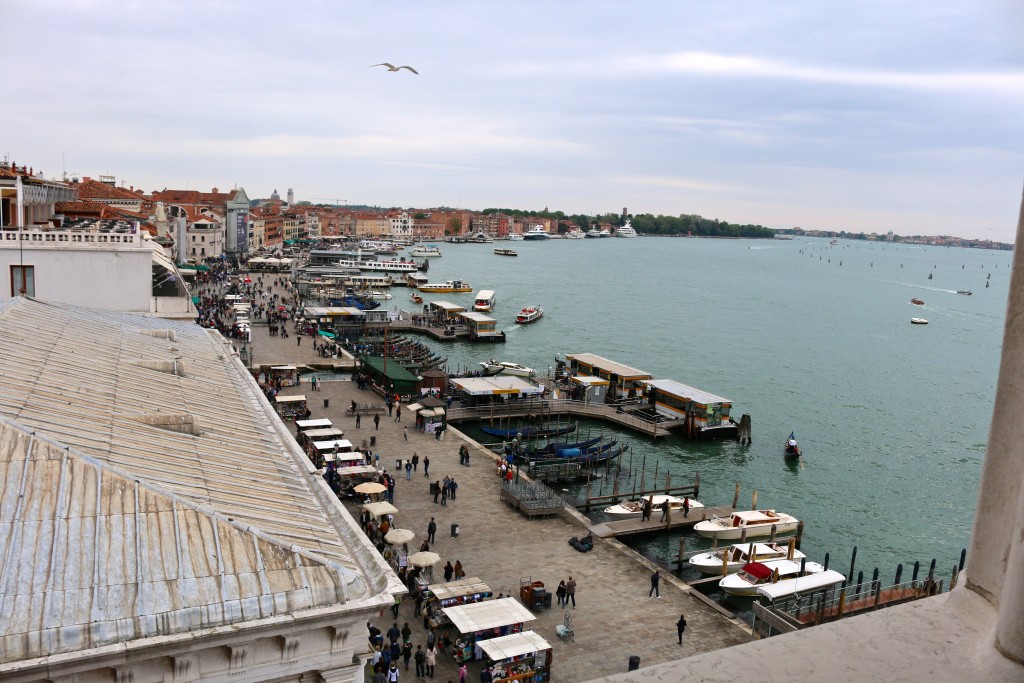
[
  {"x": 799, "y": 533},
  {"x": 696, "y": 489},
  {"x": 789, "y": 550},
  {"x": 953, "y": 578},
  {"x": 963, "y": 558},
  {"x": 775, "y": 528},
  {"x": 876, "y": 585},
  {"x": 656, "y": 463},
  {"x": 615, "y": 489},
  {"x": 643, "y": 474},
  {"x": 860, "y": 582},
  {"x": 743, "y": 535},
  {"x": 714, "y": 543},
  {"x": 588, "y": 495},
  {"x": 853, "y": 561},
  {"x": 917, "y": 570},
  {"x": 753, "y": 500},
  {"x": 826, "y": 561},
  {"x": 682, "y": 552},
  {"x": 842, "y": 601},
  {"x": 736, "y": 496},
  {"x": 668, "y": 482},
  {"x": 899, "y": 573}
]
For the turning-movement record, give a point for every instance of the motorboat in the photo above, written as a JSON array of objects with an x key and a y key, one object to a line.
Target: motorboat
[
  {"x": 529, "y": 314},
  {"x": 424, "y": 250},
  {"x": 753, "y": 522},
  {"x": 965, "y": 292},
  {"x": 626, "y": 230},
  {"x": 593, "y": 233},
  {"x": 636, "y": 507},
  {"x": 917, "y": 302},
  {"x": 537, "y": 232},
  {"x": 484, "y": 301},
  {"x": 500, "y": 251},
  {"x": 574, "y": 234},
  {"x": 733, "y": 557},
  {"x": 791, "y": 449},
  {"x": 918, "y": 321},
  {"x": 604, "y": 233},
  {"x": 416, "y": 298},
  {"x": 380, "y": 296},
  {"x": 515, "y": 237},
  {"x": 493, "y": 367},
  {"x": 754, "y": 575},
  {"x": 449, "y": 286}
]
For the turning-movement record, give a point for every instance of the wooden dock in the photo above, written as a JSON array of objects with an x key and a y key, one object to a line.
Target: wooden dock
[{"x": 635, "y": 525}]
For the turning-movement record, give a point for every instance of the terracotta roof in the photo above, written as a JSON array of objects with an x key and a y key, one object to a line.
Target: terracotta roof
[
  {"x": 79, "y": 208},
  {"x": 94, "y": 189}
]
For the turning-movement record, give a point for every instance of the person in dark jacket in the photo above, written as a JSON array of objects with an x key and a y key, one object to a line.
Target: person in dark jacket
[
  {"x": 680, "y": 627},
  {"x": 449, "y": 570}
]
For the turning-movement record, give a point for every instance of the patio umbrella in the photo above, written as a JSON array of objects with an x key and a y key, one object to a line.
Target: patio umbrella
[
  {"x": 399, "y": 536},
  {"x": 371, "y": 487},
  {"x": 424, "y": 559},
  {"x": 380, "y": 508}
]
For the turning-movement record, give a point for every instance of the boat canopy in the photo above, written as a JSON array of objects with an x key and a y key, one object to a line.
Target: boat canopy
[
  {"x": 686, "y": 392},
  {"x": 808, "y": 582},
  {"x": 496, "y": 385},
  {"x": 483, "y": 616},
  {"x": 513, "y": 645}
]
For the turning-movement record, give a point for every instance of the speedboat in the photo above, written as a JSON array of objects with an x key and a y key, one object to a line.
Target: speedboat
[
  {"x": 493, "y": 367},
  {"x": 626, "y": 230},
  {"x": 754, "y": 575},
  {"x": 381, "y": 296},
  {"x": 753, "y": 522},
  {"x": 636, "y": 507},
  {"x": 424, "y": 250},
  {"x": 965, "y": 292},
  {"x": 449, "y": 286},
  {"x": 537, "y": 232},
  {"x": 918, "y": 321},
  {"x": 574, "y": 234},
  {"x": 416, "y": 298},
  {"x": 529, "y": 314},
  {"x": 593, "y": 233},
  {"x": 736, "y": 555}
]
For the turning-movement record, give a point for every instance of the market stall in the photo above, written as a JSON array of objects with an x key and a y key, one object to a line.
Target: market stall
[
  {"x": 485, "y": 620},
  {"x": 437, "y": 596},
  {"x": 522, "y": 656},
  {"x": 339, "y": 451},
  {"x": 290, "y": 407},
  {"x": 288, "y": 374},
  {"x": 321, "y": 423},
  {"x": 319, "y": 434},
  {"x": 429, "y": 420}
]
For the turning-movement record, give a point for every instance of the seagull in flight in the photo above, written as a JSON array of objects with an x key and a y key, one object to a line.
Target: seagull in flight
[{"x": 392, "y": 67}]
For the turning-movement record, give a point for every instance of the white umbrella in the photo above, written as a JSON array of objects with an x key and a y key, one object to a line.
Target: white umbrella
[
  {"x": 371, "y": 487},
  {"x": 380, "y": 508},
  {"x": 424, "y": 559},
  {"x": 399, "y": 536}
]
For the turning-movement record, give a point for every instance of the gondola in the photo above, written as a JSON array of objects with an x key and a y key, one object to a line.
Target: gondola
[{"x": 525, "y": 431}]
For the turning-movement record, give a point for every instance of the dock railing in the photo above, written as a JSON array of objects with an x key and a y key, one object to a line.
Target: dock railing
[{"x": 496, "y": 413}]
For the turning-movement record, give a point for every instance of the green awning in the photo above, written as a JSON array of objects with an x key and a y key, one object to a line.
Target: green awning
[
  {"x": 195, "y": 300},
  {"x": 289, "y": 242},
  {"x": 329, "y": 335},
  {"x": 202, "y": 268}
]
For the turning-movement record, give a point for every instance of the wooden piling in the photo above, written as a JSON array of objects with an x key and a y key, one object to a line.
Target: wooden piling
[
  {"x": 799, "y": 533},
  {"x": 736, "y": 496},
  {"x": 682, "y": 552},
  {"x": 842, "y": 601},
  {"x": 775, "y": 529},
  {"x": 743, "y": 535},
  {"x": 753, "y": 500},
  {"x": 790, "y": 547}
]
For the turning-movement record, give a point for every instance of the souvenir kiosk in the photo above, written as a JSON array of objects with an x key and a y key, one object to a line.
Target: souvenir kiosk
[
  {"x": 320, "y": 423},
  {"x": 339, "y": 451},
  {"x": 522, "y": 656},
  {"x": 485, "y": 620},
  {"x": 437, "y": 596},
  {"x": 319, "y": 434},
  {"x": 290, "y": 407},
  {"x": 288, "y": 374}
]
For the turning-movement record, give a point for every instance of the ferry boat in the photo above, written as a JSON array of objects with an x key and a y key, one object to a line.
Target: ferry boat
[
  {"x": 733, "y": 557},
  {"x": 493, "y": 367},
  {"x": 626, "y": 230},
  {"x": 636, "y": 507},
  {"x": 537, "y": 232},
  {"x": 424, "y": 250},
  {"x": 515, "y": 237},
  {"x": 529, "y": 314},
  {"x": 484, "y": 301},
  {"x": 593, "y": 233},
  {"x": 753, "y": 522},
  {"x": 754, "y": 575},
  {"x": 449, "y": 286},
  {"x": 392, "y": 266},
  {"x": 506, "y": 252}
]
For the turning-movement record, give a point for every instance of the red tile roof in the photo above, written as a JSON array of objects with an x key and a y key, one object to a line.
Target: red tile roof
[{"x": 94, "y": 189}]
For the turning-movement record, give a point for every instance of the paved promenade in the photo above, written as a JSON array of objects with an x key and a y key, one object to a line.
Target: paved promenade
[{"x": 614, "y": 618}]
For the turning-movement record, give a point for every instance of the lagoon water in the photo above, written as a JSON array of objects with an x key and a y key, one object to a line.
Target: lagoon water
[{"x": 805, "y": 337}]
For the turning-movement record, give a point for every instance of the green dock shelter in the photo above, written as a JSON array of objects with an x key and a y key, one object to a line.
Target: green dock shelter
[{"x": 397, "y": 378}]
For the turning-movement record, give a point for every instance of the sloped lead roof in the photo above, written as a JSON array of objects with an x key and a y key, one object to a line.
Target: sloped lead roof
[{"x": 147, "y": 488}]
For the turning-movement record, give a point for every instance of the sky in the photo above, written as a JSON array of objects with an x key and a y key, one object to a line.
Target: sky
[{"x": 864, "y": 116}]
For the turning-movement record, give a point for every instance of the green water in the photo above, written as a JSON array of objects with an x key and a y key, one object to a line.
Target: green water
[{"x": 893, "y": 417}]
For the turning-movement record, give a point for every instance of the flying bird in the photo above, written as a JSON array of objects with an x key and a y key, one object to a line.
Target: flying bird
[{"x": 392, "y": 67}]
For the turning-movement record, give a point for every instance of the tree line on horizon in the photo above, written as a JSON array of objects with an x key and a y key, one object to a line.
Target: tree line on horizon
[{"x": 650, "y": 224}]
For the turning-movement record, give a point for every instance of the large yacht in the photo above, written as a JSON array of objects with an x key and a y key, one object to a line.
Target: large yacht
[
  {"x": 626, "y": 230},
  {"x": 537, "y": 232}
]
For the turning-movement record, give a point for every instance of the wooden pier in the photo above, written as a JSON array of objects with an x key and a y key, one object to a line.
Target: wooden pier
[{"x": 636, "y": 525}]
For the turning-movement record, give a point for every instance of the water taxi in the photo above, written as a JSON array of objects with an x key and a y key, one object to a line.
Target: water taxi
[
  {"x": 636, "y": 507},
  {"x": 529, "y": 314},
  {"x": 493, "y": 367},
  {"x": 574, "y": 234},
  {"x": 515, "y": 237},
  {"x": 416, "y": 298},
  {"x": 753, "y": 522},
  {"x": 593, "y": 233},
  {"x": 537, "y": 232},
  {"x": 484, "y": 301},
  {"x": 733, "y": 557},
  {"x": 626, "y": 230},
  {"x": 449, "y": 286},
  {"x": 754, "y": 575},
  {"x": 506, "y": 252},
  {"x": 424, "y": 250}
]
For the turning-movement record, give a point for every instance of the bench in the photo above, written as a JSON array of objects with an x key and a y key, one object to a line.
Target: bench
[{"x": 366, "y": 409}]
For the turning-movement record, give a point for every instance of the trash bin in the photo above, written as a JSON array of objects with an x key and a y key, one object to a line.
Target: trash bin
[
  {"x": 455, "y": 530},
  {"x": 634, "y": 663},
  {"x": 373, "y": 441},
  {"x": 327, "y": 403},
  {"x": 398, "y": 463}
]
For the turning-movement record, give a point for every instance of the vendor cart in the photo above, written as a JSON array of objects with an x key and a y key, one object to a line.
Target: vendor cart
[
  {"x": 483, "y": 621},
  {"x": 437, "y": 596},
  {"x": 522, "y": 656},
  {"x": 290, "y": 407},
  {"x": 533, "y": 594}
]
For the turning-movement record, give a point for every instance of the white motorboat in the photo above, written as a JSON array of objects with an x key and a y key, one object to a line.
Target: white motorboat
[
  {"x": 604, "y": 233},
  {"x": 754, "y": 575},
  {"x": 918, "y": 321},
  {"x": 493, "y": 367},
  {"x": 529, "y": 314},
  {"x": 636, "y": 507},
  {"x": 537, "y": 232},
  {"x": 484, "y": 301},
  {"x": 381, "y": 296},
  {"x": 753, "y": 522},
  {"x": 593, "y": 233},
  {"x": 736, "y": 555},
  {"x": 515, "y": 237},
  {"x": 626, "y": 230},
  {"x": 424, "y": 250},
  {"x": 574, "y": 234}
]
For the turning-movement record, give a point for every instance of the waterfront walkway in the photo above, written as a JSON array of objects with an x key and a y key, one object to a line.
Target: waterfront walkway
[{"x": 613, "y": 620}]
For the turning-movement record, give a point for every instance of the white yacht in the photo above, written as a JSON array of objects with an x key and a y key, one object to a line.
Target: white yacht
[
  {"x": 537, "y": 232},
  {"x": 493, "y": 367},
  {"x": 575, "y": 234},
  {"x": 593, "y": 233},
  {"x": 515, "y": 237},
  {"x": 753, "y": 522},
  {"x": 626, "y": 230},
  {"x": 733, "y": 557}
]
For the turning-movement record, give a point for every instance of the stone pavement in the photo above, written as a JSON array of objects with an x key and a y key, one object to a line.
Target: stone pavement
[{"x": 614, "y": 618}]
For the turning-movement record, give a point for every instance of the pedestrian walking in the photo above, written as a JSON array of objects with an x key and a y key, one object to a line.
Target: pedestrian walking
[
  {"x": 664, "y": 511},
  {"x": 570, "y": 591},
  {"x": 431, "y": 530},
  {"x": 408, "y": 470},
  {"x": 485, "y": 675},
  {"x": 431, "y": 660},
  {"x": 393, "y": 673},
  {"x": 449, "y": 570},
  {"x": 686, "y": 507},
  {"x": 459, "y": 573},
  {"x": 444, "y": 493},
  {"x": 391, "y": 407},
  {"x": 394, "y": 633},
  {"x": 646, "y": 514},
  {"x": 406, "y": 633},
  {"x": 415, "y": 460},
  {"x": 426, "y": 467},
  {"x": 405, "y": 434},
  {"x": 298, "y": 340},
  {"x": 680, "y": 627},
  {"x": 376, "y": 421},
  {"x": 655, "y": 580},
  {"x": 560, "y": 593},
  {"x": 421, "y": 662},
  {"x": 357, "y": 420},
  {"x": 463, "y": 672},
  {"x": 436, "y": 486},
  {"x": 406, "y": 654}
]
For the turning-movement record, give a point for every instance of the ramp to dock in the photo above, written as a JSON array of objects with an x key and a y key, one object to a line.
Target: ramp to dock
[{"x": 635, "y": 525}]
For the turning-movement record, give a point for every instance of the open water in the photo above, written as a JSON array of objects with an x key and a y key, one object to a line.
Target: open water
[{"x": 805, "y": 336}]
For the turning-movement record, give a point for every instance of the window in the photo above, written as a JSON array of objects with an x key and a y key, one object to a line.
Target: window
[{"x": 23, "y": 280}]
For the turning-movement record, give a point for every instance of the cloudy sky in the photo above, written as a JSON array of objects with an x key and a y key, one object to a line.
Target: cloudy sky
[{"x": 867, "y": 116}]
